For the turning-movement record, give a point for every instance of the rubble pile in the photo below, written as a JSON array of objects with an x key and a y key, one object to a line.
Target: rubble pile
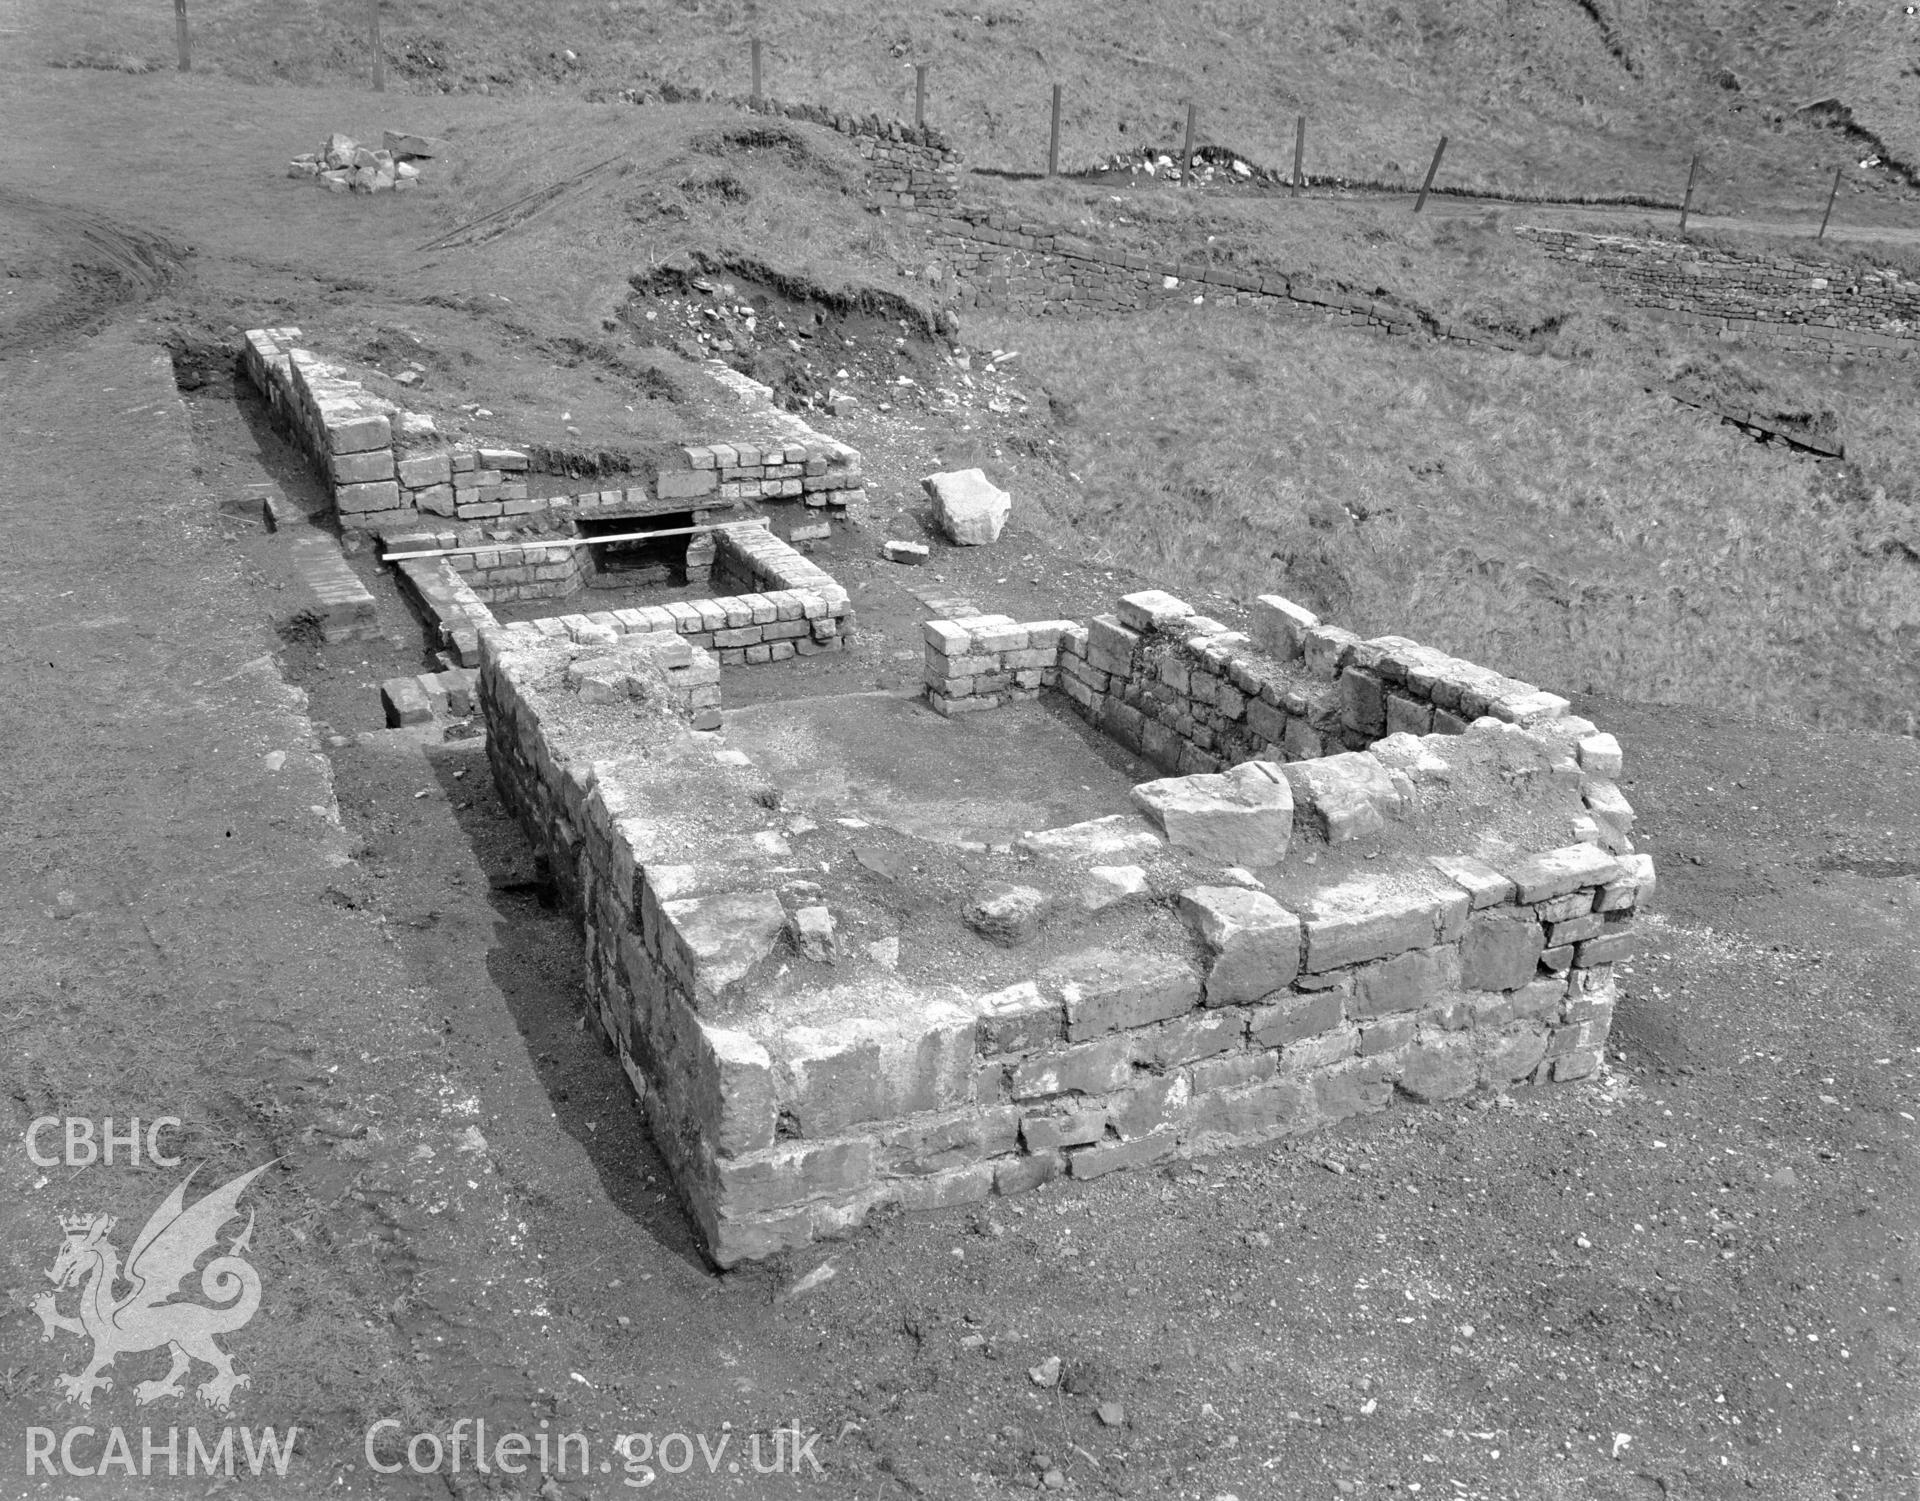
[
  {"x": 343, "y": 165},
  {"x": 1208, "y": 163}
]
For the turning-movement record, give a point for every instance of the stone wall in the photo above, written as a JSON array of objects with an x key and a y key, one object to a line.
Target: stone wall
[
  {"x": 1192, "y": 696},
  {"x": 1792, "y": 302},
  {"x": 776, "y": 457},
  {"x": 388, "y": 469},
  {"x": 911, "y": 166},
  {"x": 380, "y": 462},
  {"x": 455, "y": 614},
  {"x": 503, "y": 573},
  {"x": 1007, "y": 265},
  {"x": 1415, "y": 922},
  {"x": 814, "y": 470}
]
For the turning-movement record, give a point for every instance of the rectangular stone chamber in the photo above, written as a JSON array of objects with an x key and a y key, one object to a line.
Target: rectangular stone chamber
[
  {"x": 1372, "y": 873},
  {"x": 770, "y": 602}
]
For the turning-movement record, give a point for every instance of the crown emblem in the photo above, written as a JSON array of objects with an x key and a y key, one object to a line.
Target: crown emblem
[{"x": 77, "y": 1223}]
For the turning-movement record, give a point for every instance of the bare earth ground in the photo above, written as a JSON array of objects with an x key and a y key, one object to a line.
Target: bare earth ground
[{"x": 1687, "y": 1279}]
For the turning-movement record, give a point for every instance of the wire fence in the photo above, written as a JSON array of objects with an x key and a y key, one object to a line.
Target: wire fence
[{"x": 1198, "y": 161}]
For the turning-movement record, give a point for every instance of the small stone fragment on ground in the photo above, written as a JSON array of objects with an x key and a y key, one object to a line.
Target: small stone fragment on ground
[
  {"x": 1047, "y": 1373},
  {"x": 813, "y": 934},
  {"x": 911, "y": 553},
  {"x": 1116, "y": 834},
  {"x": 825, "y": 1272},
  {"x": 1106, "y": 885},
  {"x": 1007, "y": 915}
]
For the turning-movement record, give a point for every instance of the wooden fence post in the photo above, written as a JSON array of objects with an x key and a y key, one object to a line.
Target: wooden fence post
[
  {"x": 754, "y": 97},
  {"x": 1432, "y": 167},
  {"x": 1832, "y": 193},
  {"x": 1299, "y": 153},
  {"x": 1686, "y": 203},
  {"x": 1186, "y": 151},
  {"x": 373, "y": 41},
  {"x": 180, "y": 35},
  {"x": 920, "y": 95},
  {"x": 1053, "y": 137}
]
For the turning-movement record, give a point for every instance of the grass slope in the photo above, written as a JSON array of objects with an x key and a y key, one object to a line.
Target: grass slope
[
  {"x": 1537, "y": 96},
  {"x": 1547, "y": 516},
  {"x": 519, "y": 323}
]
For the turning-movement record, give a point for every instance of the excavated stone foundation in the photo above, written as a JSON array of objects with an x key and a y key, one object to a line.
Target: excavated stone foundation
[{"x": 1372, "y": 873}]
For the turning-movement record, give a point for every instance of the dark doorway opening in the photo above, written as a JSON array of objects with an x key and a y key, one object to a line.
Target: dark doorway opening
[{"x": 649, "y": 560}]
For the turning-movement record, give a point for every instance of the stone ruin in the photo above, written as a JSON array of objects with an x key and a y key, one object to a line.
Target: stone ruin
[
  {"x": 1372, "y": 872},
  {"x": 1367, "y": 871}
]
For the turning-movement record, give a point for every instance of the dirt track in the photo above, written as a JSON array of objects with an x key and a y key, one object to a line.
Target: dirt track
[
  {"x": 1687, "y": 1280},
  {"x": 78, "y": 267}
]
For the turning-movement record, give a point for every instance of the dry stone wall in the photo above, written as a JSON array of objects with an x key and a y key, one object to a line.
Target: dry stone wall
[
  {"x": 455, "y": 614},
  {"x": 1007, "y": 265},
  {"x": 1345, "y": 940},
  {"x": 1792, "y": 302},
  {"x": 1798, "y": 305},
  {"x": 911, "y": 166}
]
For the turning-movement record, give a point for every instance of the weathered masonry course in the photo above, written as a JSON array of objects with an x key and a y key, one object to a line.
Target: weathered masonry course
[{"x": 1372, "y": 873}]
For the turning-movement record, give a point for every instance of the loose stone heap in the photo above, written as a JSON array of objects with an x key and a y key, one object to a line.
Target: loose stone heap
[
  {"x": 1263, "y": 945},
  {"x": 344, "y": 165}
]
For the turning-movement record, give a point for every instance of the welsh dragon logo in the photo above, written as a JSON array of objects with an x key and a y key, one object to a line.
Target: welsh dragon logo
[{"x": 143, "y": 1318}]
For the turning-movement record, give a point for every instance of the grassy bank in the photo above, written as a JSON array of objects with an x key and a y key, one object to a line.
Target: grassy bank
[{"x": 1549, "y": 517}]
